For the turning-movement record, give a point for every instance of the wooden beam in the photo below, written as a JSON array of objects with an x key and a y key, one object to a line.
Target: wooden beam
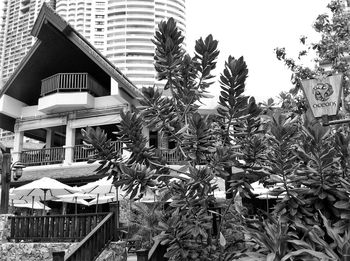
[
  {"x": 95, "y": 121},
  {"x": 41, "y": 123}
]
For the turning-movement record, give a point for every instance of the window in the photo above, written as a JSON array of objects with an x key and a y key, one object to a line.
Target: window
[{"x": 153, "y": 139}]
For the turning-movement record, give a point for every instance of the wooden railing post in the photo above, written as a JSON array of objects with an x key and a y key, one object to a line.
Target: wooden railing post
[
  {"x": 58, "y": 256},
  {"x": 5, "y": 175},
  {"x": 114, "y": 207}
]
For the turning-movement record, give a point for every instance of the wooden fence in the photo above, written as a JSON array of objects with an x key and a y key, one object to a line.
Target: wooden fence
[{"x": 53, "y": 227}]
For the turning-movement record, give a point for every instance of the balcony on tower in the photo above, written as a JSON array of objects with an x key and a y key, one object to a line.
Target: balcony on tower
[
  {"x": 69, "y": 91},
  {"x": 24, "y": 6}
]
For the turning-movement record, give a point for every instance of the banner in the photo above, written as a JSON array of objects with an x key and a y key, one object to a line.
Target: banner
[{"x": 323, "y": 94}]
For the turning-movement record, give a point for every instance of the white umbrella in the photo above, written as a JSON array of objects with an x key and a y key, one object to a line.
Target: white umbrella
[
  {"x": 45, "y": 188},
  {"x": 25, "y": 199},
  {"x": 102, "y": 186},
  {"x": 18, "y": 201},
  {"x": 76, "y": 198},
  {"x": 102, "y": 200},
  {"x": 259, "y": 189},
  {"x": 35, "y": 205}
]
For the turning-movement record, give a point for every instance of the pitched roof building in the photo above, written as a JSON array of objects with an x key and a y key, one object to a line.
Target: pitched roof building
[{"x": 63, "y": 84}]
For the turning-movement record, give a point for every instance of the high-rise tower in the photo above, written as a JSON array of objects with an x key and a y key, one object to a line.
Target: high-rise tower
[
  {"x": 122, "y": 30},
  {"x": 17, "y": 19}
]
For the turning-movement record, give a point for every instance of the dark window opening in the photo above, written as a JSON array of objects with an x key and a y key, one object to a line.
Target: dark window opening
[{"x": 153, "y": 139}]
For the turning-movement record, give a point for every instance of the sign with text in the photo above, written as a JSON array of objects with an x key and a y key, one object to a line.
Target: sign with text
[{"x": 323, "y": 94}]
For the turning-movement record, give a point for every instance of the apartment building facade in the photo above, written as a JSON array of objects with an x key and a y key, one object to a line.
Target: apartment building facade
[
  {"x": 17, "y": 20},
  {"x": 122, "y": 30}
]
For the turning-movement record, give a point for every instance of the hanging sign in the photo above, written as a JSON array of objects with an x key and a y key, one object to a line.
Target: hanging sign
[{"x": 323, "y": 94}]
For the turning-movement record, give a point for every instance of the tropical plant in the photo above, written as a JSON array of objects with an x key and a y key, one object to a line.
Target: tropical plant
[
  {"x": 275, "y": 240},
  {"x": 283, "y": 148},
  {"x": 205, "y": 143},
  {"x": 145, "y": 217}
]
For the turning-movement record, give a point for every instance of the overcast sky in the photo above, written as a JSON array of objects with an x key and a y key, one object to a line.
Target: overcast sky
[{"x": 253, "y": 28}]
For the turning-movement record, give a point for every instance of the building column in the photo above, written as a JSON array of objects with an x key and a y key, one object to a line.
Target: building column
[
  {"x": 17, "y": 145},
  {"x": 69, "y": 146},
  {"x": 48, "y": 138}
]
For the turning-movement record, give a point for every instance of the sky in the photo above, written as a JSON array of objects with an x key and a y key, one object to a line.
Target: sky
[{"x": 253, "y": 29}]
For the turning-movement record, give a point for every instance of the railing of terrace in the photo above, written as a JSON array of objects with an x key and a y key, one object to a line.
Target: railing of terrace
[
  {"x": 53, "y": 155},
  {"x": 81, "y": 153},
  {"x": 172, "y": 156},
  {"x": 71, "y": 82},
  {"x": 54, "y": 227}
]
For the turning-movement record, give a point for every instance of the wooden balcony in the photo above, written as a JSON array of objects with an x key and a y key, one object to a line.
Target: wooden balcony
[
  {"x": 72, "y": 82},
  {"x": 171, "y": 156},
  {"x": 81, "y": 153},
  {"x": 56, "y": 155},
  {"x": 39, "y": 157}
]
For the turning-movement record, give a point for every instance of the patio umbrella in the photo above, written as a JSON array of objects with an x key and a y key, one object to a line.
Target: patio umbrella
[
  {"x": 102, "y": 186},
  {"x": 76, "y": 198},
  {"x": 25, "y": 199},
  {"x": 102, "y": 200},
  {"x": 262, "y": 193},
  {"x": 34, "y": 205},
  {"x": 45, "y": 188}
]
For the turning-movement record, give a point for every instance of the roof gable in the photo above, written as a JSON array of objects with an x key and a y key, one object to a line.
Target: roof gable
[{"x": 59, "y": 49}]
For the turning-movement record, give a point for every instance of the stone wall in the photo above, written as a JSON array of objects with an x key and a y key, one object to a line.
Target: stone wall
[
  {"x": 32, "y": 251},
  {"x": 5, "y": 227},
  {"x": 116, "y": 251},
  {"x": 124, "y": 209}
]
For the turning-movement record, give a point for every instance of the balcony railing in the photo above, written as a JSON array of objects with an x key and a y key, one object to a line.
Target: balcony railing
[
  {"x": 47, "y": 156},
  {"x": 56, "y": 155},
  {"x": 81, "y": 153},
  {"x": 65, "y": 82},
  {"x": 171, "y": 156}
]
